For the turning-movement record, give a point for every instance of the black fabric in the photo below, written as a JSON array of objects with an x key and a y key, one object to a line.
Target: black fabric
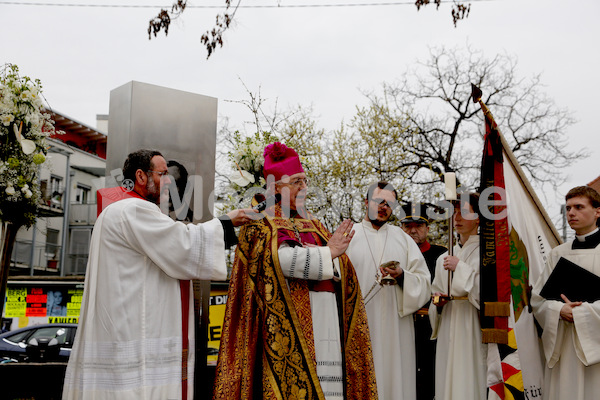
[
  {"x": 424, "y": 346},
  {"x": 400, "y": 280},
  {"x": 415, "y": 212},
  {"x": 575, "y": 282},
  {"x": 425, "y": 357},
  {"x": 591, "y": 242},
  {"x": 229, "y": 231},
  {"x": 431, "y": 257}
]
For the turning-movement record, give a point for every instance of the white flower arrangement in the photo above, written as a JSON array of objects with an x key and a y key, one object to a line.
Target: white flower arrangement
[
  {"x": 248, "y": 160},
  {"x": 24, "y": 127}
]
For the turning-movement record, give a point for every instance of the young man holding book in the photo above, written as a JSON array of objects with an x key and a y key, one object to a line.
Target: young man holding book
[{"x": 569, "y": 311}]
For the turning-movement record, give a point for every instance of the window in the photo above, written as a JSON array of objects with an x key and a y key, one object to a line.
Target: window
[
  {"x": 46, "y": 193},
  {"x": 79, "y": 248},
  {"x": 56, "y": 190},
  {"x": 19, "y": 337},
  {"x": 56, "y": 184},
  {"x": 80, "y": 242},
  {"x": 58, "y": 333},
  {"x": 83, "y": 193},
  {"x": 52, "y": 247}
]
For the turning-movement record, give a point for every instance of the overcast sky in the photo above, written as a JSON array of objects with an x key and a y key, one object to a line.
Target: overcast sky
[{"x": 319, "y": 56}]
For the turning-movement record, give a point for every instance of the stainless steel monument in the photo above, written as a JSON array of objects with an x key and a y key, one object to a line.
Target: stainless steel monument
[{"x": 181, "y": 125}]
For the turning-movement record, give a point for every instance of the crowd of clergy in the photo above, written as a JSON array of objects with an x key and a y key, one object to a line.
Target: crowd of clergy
[{"x": 312, "y": 314}]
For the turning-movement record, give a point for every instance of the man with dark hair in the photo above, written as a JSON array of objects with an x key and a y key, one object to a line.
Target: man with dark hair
[
  {"x": 380, "y": 185},
  {"x": 571, "y": 338},
  {"x": 395, "y": 283},
  {"x": 140, "y": 159},
  {"x": 586, "y": 191},
  {"x": 136, "y": 333},
  {"x": 143, "y": 160},
  {"x": 416, "y": 224}
]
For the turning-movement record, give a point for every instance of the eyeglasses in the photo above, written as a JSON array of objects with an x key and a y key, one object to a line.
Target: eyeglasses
[
  {"x": 159, "y": 173},
  {"x": 382, "y": 202},
  {"x": 297, "y": 182}
]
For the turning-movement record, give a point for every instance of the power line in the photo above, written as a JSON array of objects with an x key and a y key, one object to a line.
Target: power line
[{"x": 396, "y": 3}]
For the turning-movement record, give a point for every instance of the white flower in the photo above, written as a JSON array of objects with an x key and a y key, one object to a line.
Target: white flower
[
  {"x": 259, "y": 161},
  {"x": 33, "y": 119},
  {"x": 237, "y": 156},
  {"x": 10, "y": 191},
  {"x": 28, "y": 146},
  {"x": 7, "y": 119},
  {"x": 242, "y": 178},
  {"x": 28, "y": 194},
  {"x": 25, "y": 188},
  {"x": 25, "y": 95},
  {"x": 36, "y": 99}
]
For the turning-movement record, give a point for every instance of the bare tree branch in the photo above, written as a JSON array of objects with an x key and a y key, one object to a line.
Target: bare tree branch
[
  {"x": 163, "y": 20},
  {"x": 446, "y": 130},
  {"x": 214, "y": 37}
]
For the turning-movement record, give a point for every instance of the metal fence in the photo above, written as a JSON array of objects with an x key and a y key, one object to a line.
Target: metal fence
[
  {"x": 44, "y": 256},
  {"x": 82, "y": 214}
]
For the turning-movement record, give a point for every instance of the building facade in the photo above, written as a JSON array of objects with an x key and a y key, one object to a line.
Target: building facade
[{"x": 57, "y": 245}]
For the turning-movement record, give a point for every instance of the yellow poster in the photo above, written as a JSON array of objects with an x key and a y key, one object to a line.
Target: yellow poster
[
  {"x": 218, "y": 300},
  {"x": 43, "y": 300}
]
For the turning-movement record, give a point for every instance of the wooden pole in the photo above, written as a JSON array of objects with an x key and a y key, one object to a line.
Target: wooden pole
[{"x": 451, "y": 196}]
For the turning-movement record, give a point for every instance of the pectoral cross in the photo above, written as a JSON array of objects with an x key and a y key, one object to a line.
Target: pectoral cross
[{"x": 296, "y": 231}]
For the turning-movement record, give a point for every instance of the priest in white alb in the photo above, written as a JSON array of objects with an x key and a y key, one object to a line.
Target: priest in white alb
[
  {"x": 135, "y": 338},
  {"x": 395, "y": 283},
  {"x": 571, "y": 325}
]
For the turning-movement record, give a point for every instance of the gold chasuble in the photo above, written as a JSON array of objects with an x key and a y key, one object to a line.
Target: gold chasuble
[{"x": 267, "y": 348}]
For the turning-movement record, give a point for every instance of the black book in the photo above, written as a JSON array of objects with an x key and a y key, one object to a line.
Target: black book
[{"x": 575, "y": 282}]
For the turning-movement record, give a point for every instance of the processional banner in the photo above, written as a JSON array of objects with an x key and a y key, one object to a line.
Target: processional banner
[{"x": 515, "y": 368}]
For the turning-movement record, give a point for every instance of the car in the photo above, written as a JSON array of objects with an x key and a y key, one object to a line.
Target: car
[{"x": 46, "y": 342}]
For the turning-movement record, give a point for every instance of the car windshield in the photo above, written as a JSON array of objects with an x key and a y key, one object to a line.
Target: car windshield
[
  {"x": 58, "y": 332},
  {"x": 18, "y": 337}
]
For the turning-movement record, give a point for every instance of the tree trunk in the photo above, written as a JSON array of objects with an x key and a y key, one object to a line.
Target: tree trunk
[{"x": 8, "y": 234}]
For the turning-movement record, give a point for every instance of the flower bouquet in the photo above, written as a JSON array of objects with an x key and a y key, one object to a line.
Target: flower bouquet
[
  {"x": 24, "y": 127},
  {"x": 248, "y": 161}
]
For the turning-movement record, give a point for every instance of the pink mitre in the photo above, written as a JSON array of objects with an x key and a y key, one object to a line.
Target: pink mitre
[{"x": 281, "y": 160}]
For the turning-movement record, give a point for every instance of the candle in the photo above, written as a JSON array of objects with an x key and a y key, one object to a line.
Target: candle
[{"x": 450, "y": 181}]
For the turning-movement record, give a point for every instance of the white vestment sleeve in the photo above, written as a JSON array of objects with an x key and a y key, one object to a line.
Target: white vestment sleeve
[
  {"x": 547, "y": 313},
  {"x": 416, "y": 289},
  {"x": 586, "y": 318},
  {"x": 439, "y": 285},
  {"x": 465, "y": 282},
  {"x": 192, "y": 251},
  {"x": 310, "y": 263}
]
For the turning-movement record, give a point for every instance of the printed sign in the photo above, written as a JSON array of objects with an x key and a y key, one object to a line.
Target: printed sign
[
  {"x": 218, "y": 300},
  {"x": 57, "y": 302}
]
